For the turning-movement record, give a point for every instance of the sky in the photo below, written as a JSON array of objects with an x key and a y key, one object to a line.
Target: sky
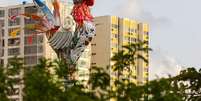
[{"x": 174, "y": 29}]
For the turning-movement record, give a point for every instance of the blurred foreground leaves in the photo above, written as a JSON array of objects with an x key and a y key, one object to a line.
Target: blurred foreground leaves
[{"x": 45, "y": 82}]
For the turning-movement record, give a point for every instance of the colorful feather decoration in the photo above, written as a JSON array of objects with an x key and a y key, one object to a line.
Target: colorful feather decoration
[
  {"x": 56, "y": 12},
  {"x": 48, "y": 14},
  {"x": 33, "y": 16},
  {"x": 63, "y": 35},
  {"x": 81, "y": 13}
]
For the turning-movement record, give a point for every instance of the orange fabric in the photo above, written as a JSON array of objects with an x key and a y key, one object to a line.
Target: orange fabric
[
  {"x": 56, "y": 5},
  {"x": 56, "y": 10},
  {"x": 33, "y": 16}
]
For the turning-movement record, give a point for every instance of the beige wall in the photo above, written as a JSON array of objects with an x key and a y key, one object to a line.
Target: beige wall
[{"x": 101, "y": 44}]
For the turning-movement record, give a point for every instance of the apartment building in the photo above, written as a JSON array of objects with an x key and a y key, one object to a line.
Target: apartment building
[
  {"x": 31, "y": 52},
  {"x": 112, "y": 33}
]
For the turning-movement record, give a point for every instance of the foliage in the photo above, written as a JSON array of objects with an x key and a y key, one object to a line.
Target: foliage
[
  {"x": 190, "y": 82},
  {"x": 8, "y": 77},
  {"x": 3, "y": 85},
  {"x": 46, "y": 82},
  {"x": 39, "y": 83}
]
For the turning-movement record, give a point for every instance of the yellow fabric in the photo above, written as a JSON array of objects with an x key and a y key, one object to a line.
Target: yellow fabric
[{"x": 14, "y": 33}]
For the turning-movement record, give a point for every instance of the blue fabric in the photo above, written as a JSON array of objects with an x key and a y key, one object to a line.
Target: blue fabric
[{"x": 46, "y": 11}]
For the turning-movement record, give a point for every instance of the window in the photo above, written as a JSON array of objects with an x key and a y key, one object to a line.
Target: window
[
  {"x": 29, "y": 21},
  {"x": 147, "y": 64},
  {"x": 13, "y": 11},
  {"x": 2, "y": 32},
  {"x": 40, "y": 49},
  {"x": 146, "y": 70},
  {"x": 30, "y": 50},
  {"x": 13, "y": 51},
  {"x": 40, "y": 39},
  {"x": 2, "y": 23},
  {"x": 147, "y": 33},
  {"x": 13, "y": 42},
  {"x": 136, "y": 31},
  {"x": 115, "y": 35},
  {"x": 2, "y": 43},
  {"x": 31, "y": 9},
  {"x": 114, "y": 45},
  {"x": 135, "y": 77},
  {"x": 132, "y": 30},
  {"x": 28, "y": 38},
  {"x": 1, "y": 52},
  {"x": 93, "y": 54},
  {"x": 14, "y": 22},
  {"x": 147, "y": 55},
  {"x": 30, "y": 60},
  {"x": 2, "y": 13},
  {"x": 13, "y": 29},
  {"x": 129, "y": 33},
  {"x": 35, "y": 39},
  {"x": 127, "y": 39},
  {"x": 93, "y": 44},
  {"x": 1, "y": 62},
  {"x": 147, "y": 79},
  {"x": 38, "y": 58},
  {"x": 26, "y": 31},
  {"x": 133, "y": 39},
  {"x": 93, "y": 64},
  {"x": 114, "y": 26}
]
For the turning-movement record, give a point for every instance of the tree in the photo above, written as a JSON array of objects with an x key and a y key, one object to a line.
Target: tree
[
  {"x": 45, "y": 82},
  {"x": 190, "y": 82},
  {"x": 3, "y": 85},
  {"x": 39, "y": 83},
  {"x": 125, "y": 60},
  {"x": 162, "y": 90},
  {"x": 8, "y": 78}
]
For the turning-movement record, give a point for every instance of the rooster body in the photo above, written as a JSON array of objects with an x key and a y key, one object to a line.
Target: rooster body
[{"x": 70, "y": 38}]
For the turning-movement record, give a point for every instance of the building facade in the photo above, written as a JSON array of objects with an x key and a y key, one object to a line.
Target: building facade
[
  {"x": 19, "y": 45},
  {"x": 111, "y": 34},
  {"x": 31, "y": 52}
]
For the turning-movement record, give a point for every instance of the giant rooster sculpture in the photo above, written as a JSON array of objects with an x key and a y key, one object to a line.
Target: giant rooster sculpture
[{"x": 70, "y": 37}]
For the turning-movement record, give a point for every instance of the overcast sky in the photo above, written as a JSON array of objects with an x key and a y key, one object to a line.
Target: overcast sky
[{"x": 175, "y": 29}]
